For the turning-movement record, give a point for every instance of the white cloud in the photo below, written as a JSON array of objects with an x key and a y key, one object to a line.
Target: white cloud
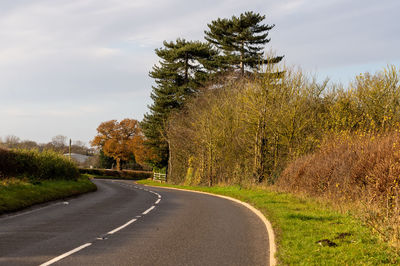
[{"x": 59, "y": 57}]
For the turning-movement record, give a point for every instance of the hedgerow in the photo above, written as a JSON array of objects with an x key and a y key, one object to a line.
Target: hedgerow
[{"x": 35, "y": 165}]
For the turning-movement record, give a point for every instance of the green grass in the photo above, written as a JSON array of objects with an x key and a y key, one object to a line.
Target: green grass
[
  {"x": 300, "y": 223},
  {"x": 17, "y": 194}
]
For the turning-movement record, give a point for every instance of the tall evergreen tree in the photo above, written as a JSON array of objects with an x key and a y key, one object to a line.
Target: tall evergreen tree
[
  {"x": 241, "y": 40},
  {"x": 184, "y": 66}
]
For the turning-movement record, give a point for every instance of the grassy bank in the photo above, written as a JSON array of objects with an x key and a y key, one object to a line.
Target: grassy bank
[
  {"x": 16, "y": 194},
  {"x": 307, "y": 232}
]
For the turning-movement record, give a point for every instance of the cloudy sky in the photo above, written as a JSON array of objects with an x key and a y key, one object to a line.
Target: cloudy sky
[{"x": 67, "y": 65}]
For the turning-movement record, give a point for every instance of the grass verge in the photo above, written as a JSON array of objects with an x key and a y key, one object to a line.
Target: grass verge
[
  {"x": 308, "y": 232},
  {"x": 16, "y": 194}
]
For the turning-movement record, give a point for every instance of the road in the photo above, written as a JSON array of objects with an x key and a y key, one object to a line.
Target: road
[{"x": 127, "y": 224}]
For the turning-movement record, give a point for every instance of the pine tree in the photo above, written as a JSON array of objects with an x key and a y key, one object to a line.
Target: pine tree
[
  {"x": 241, "y": 40},
  {"x": 183, "y": 68}
]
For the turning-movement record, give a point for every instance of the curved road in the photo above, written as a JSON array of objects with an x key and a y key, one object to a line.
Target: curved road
[{"x": 127, "y": 224}]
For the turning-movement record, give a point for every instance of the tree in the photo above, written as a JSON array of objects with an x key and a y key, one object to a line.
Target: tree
[
  {"x": 59, "y": 141},
  {"x": 12, "y": 141},
  {"x": 117, "y": 139},
  {"x": 183, "y": 68},
  {"x": 241, "y": 40}
]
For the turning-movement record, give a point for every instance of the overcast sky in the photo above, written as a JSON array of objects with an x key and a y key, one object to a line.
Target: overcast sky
[{"x": 68, "y": 65}]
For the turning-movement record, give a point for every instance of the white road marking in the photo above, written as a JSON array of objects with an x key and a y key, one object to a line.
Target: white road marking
[
  {"x": 62, "y": 256},
  {"x": 148, "y": 210},
  {"x": 121, "y": 227},
  {"x": 66, "y": 254},
  {"x": 270, "y": 231}
]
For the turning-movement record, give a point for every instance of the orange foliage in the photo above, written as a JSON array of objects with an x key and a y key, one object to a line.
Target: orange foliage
[
  {"x": 120, "y": 140},
  {"x": 363, "y": 170}
]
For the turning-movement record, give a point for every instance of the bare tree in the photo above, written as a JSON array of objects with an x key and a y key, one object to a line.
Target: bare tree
[
  {"x": 59, "y": 141},
  {"x": 12, "y": 141}
]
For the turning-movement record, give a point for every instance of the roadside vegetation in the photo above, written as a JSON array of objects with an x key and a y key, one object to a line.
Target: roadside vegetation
[
  {"x": 360, "y": 173},
  {"x": 17, "y": 194},
  {"x": 309, "y": 232},
  {"x": 249, "y": 121},
  {"x": 224, "y": 112},
  {"x": 29, "y": 177},
  {"x": 36, "y": 166},
  {"x": 114, "y": 174}
]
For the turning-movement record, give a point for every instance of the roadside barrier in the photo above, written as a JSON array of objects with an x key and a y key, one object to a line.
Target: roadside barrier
[{"x": 159, "y": 177}]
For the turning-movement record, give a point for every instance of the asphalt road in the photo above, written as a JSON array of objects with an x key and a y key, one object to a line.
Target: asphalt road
[{"x": 128, "y": 224}]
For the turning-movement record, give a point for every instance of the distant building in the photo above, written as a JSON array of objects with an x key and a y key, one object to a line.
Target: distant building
[{"x": 79, "y": 158}]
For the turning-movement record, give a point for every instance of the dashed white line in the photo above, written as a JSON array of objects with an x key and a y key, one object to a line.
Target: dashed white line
[
  {"x": 148, "y": 210},
  {"x": 121, "y": 227},
  {"x": 66, "y": 254},
  {"x": 62, "y": 256}
]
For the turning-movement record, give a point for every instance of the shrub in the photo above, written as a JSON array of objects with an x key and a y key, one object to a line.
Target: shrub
[
  {"x": 361, "y": 170},
  {"x": 36, "y": 165},
  {"x": 123, "y": 174}
]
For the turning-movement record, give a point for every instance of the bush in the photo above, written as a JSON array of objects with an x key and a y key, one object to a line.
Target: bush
[
  {"x": 36, "y": 165},
  {"x": 124, "y": 174},
  {"x": 361, "y": 170}
]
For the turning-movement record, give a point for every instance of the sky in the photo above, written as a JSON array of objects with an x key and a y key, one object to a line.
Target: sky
[{"x": 68, "y": 65}]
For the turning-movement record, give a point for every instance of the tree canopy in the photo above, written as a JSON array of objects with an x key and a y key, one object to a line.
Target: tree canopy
[
  {"x": 241, "y": 39},
  {"x": 184, "y": 66},
  {"x": 119, "y": 140}
]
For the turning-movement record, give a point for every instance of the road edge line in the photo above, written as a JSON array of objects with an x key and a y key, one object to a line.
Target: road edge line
[{"x": 270, "y": 231}]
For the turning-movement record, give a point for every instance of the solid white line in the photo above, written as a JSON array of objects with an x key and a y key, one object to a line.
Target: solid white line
[
  {"x": 159, "y": 196},
  {"x": 121, "y": 227},
  {"x": 148, "y": 210},
  {"x": 270, "y": 231},
  {"x": 66, "y": 254},
  {"x": 157, "y": 201}
]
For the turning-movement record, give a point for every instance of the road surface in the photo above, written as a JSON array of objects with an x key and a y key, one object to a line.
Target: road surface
[{"x": 127, "y": 224}]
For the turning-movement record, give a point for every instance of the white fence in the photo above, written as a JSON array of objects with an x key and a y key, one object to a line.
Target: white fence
[{"x": 159, "y": 177}]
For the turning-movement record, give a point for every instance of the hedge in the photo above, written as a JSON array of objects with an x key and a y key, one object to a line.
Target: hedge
[
  {"x": 123, "y": 174},
  {"x": 35, "y": 165}
]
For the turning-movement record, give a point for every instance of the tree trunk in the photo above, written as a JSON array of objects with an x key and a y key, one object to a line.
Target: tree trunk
[
  {"x": 242, "y": 59},
  {"x": 169, "y": 169},
  {"x": 260, "y": 152},
  {"x": 186, "y": 68},
  {"x": 118, "y": 164},
  {"x": 276, "y": 152},
  {"x": 210, "y": 168}
]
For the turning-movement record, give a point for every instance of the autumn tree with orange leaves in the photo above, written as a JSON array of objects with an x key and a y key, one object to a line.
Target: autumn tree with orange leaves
[{"x": 120, "y": 140}]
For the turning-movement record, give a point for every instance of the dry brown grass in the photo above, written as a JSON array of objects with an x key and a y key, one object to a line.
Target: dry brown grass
[{"x": 360, "y": 171}]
